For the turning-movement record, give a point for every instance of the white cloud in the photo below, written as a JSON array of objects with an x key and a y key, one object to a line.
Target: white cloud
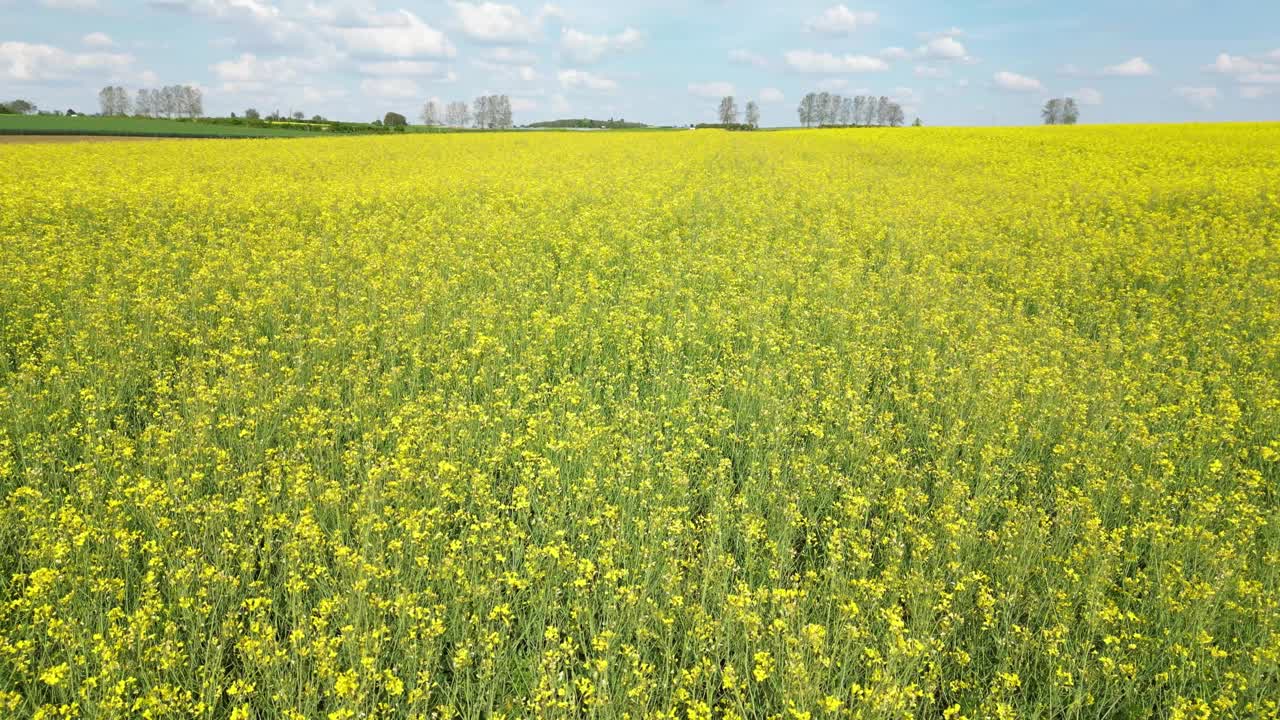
[
  {"x": 1014, "y": 82},
  {"x": 28, "y": 62},
  {"x": 587, "y": 48},
  {"x": 945, "y": 47},
  {"x": 771, "y": 95},
  {"x": 390, "y": 87},
  {"x": 895, "y": 53},
  {"x": 905, "y": 96},
  {"x": 583, "y": 80},
  {"x": 1134, "y": 67},
  {"x": 71, "y": 4},
  {"x": 511, "y": 56},
  {"x": 321, "y": 95},
  {"x": 1201, "y": 97},
  {"x": 1235, "y": 65},
  {"x": 815, "y": 62},
  {"x": 840, "y": 20},
  {"x": 1087, "y": 96},
  {"x": 98, "y": 40},
  {"x": 404, "y": 68},
  {"x": 524, "y": 73},
  {"x": 746, "y": 57},
  {"x": 220, "y": 8},
  {"x": 259, "y": 24},
  {"x": 1272, "y": 78},
  {"x": 496, "y": 22},
  {"x": 949, "y": 32},
  {"x": 711, "y": 89},
  {"x": 1255, "y": 92},
  {"x": 398, "y": 34},
  {"x": 521, "y": 104},
  {"x": 250, "y": 73},
  {"x": 929, "y": 71}
]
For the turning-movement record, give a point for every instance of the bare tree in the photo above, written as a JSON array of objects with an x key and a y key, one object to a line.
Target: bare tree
[
  {"x": 895, "y": 116},
  {"x": 808, "y": 110},
  {"x": 860, "y": 110},
  {"x": 431, "y": 113},
  {"x": 753, "y": 114},
  {"x": 142, "y": 105},
  {"x": 193, "y": 102},
  {"x": 457, "y": 114},
  {"x": 114, "y": 101},
  {"x": 728, "y": 110}
]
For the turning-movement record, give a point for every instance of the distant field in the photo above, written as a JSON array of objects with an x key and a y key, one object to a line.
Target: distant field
[{"x": 84, "y": 125}]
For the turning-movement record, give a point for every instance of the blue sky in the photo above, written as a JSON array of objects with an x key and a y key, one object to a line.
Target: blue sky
[{"x": 951, "y": 63}]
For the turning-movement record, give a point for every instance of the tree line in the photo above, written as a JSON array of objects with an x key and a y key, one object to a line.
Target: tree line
[
  {"x": 168, "y": 102},
  {"x": 819, "y": 109},
  {"x": 490, "y": 112}
]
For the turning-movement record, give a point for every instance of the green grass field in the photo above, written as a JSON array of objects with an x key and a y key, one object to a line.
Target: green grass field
[{"x": 150, "y": 127}]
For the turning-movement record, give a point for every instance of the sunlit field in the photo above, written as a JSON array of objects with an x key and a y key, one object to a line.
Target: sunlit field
[{"x": 915, "y": 423}]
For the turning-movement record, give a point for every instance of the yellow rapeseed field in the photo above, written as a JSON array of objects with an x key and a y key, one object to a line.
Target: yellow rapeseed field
[{"x": 939, "y": 423}]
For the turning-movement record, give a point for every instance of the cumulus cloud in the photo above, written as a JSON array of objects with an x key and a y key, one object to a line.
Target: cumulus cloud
[
  {"x": 1133, "y": 67},
  {"x": 390, "y": 87},
  {"x": 98, "y": 41},
  {"x": 945, "y": 48},
  {"x": 771, "y": 95},
  {"x": 1013, "y": 82},
  {"x": 399, "y": 34},
  {"x": 321, "y": 95},
  {"x": 583, "y": 80},
  {"x": 405, "y": 68},
  {"x": 840, "y": 20},
  {"x": 1201, "y": 97},
  {"x": 33, "y": 62},
  {"x": 250, "y": 73},
  {"x": 895, "y": 53},
  {"x": 587, "y": 48},
  {"x": 1087, "y": 96},
  {"x": 711, "y": 89},
  {"x": 816, "y": 62},
  {"x": 746, "y": 57},
  {"x": 1236, "y": 65},
  {"x": 497, "y": 22},
  {"x": 259, "y": 24}
]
